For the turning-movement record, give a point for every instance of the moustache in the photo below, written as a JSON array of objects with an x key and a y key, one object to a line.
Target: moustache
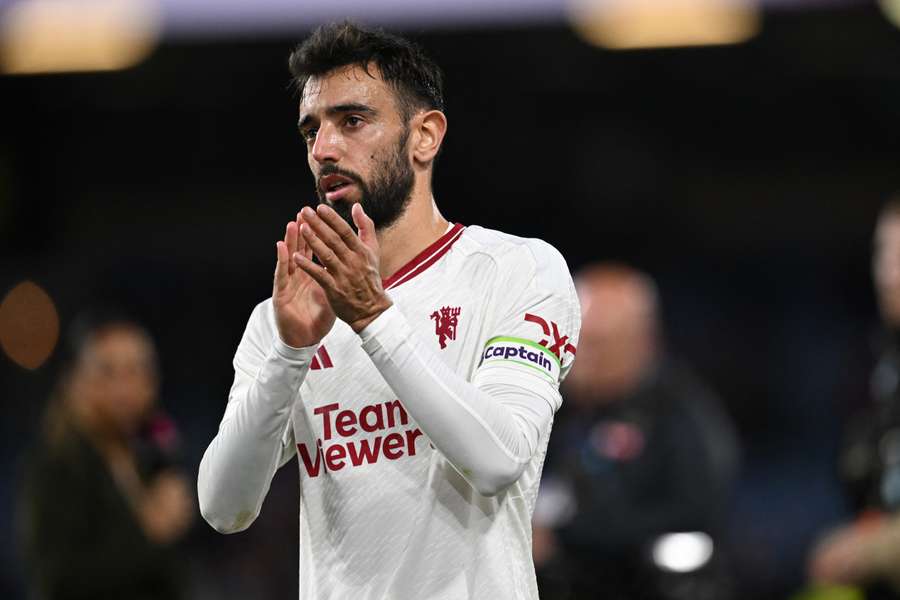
[{"x": 335, "y": 170}]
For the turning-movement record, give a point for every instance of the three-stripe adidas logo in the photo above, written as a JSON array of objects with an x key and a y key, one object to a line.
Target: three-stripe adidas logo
[{"x": 321, "y": 360}]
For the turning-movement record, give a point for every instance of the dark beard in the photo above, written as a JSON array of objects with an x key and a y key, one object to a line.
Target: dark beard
[{"x": 386, "y": 199}]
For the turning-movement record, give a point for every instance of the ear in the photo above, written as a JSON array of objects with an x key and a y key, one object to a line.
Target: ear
[{"x": 429, "y": 129}]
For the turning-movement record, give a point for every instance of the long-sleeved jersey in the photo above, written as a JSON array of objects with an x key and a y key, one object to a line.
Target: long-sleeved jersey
[{"x": 420, "y": 441}]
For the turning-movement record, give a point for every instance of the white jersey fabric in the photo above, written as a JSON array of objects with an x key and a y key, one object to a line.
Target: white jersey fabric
[{"x": 420, "y": 441}]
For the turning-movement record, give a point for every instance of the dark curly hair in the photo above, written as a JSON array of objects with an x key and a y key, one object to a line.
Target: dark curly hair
[{"x": 417, "y": 80}]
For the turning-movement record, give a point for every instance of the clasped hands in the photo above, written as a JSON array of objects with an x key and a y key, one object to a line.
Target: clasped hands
[{"x": 347, "y": 284}]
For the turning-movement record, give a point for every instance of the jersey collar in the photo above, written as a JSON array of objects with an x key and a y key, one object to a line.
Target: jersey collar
[{"x": 425, "y": 258}]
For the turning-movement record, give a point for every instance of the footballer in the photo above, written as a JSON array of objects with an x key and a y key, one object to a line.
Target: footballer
[{"x": 412, "y": 365}]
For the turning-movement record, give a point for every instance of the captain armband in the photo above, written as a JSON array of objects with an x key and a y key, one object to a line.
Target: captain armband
[{"x": 502, "y": 350}]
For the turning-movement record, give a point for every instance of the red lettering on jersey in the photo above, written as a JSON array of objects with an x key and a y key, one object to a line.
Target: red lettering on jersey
[
  {"x": 312, "y": 468},
  {"x": 370, "y": 453},
  {"x": 392, "y": 408},
  {"x": 411, "y": 435},
  {"x": 392, "y": 445},
  {"x": 365, "y": 413},
  {"x": 326, "y": 422},
  {"x": 367, "y": 451},
  {"x": 334, "y": 457},
  {"x": 344, "y": 423},
  {"x": 337, "y": 423}
]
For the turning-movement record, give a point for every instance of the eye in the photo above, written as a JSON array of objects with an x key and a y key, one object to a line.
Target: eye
[
  {"x": 309, "y": 135},
  {"x": 353, "y": 121}
]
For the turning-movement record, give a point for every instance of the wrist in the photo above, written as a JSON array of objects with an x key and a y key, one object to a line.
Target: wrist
[
  {"x": 292, "y": 343},
  {"x": 291, "y": 352},
  {"x": 389, "y": 325},
  {"x": 359, "y": 324}
]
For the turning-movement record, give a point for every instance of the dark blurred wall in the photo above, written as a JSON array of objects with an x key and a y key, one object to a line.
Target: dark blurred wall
[{"x": 746, "y": 179}]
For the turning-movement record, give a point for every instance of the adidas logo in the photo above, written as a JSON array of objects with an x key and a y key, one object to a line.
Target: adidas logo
[{"x": 321, "y": 360}]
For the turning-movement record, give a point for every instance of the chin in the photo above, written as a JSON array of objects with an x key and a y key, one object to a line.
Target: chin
[{"x": 345, "y": 203}]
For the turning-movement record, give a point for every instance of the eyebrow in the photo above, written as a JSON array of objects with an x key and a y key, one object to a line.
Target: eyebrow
[{"x": 336, "y": 110}]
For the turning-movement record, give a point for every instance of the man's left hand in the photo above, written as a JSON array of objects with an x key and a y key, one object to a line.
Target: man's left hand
[{"x": 349, "y": 272}]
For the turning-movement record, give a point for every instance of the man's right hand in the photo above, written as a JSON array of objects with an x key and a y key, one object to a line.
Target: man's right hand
[{"x": 302, "y": 312}]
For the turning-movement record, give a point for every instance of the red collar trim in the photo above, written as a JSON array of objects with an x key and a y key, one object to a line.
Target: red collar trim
[{"x": 424, "y": 259}]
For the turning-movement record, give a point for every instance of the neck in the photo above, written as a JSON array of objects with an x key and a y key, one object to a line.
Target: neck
[{"x": 419, "y": 226}]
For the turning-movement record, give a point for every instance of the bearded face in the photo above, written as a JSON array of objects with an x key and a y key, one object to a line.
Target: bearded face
[{"x": 387, "y": 193}]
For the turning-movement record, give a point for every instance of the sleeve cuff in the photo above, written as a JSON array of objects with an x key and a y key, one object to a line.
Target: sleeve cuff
[
  {"x": 390, "y": 324},
  {"x": 291, "y": 354}
]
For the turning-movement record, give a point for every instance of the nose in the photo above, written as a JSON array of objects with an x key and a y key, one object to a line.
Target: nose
[{"x": 327, "y": 146}]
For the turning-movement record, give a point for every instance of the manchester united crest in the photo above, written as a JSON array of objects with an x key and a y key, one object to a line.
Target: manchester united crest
[{"x": 445, "y": 322}]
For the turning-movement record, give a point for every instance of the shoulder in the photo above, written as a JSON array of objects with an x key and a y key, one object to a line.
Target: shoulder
[
  {"x": 62, "y": 454},
  {"x": 519, "y": 257}
]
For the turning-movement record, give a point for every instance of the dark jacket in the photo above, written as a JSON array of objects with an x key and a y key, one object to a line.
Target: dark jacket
[
  {"x": 82, "y": 538},
  {"x": 662, "y": 460}
]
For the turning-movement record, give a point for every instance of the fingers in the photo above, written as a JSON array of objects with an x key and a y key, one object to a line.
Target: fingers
[
  {"x": 290, "y": 240},
  {"x": 302, "y": 246},
  {"x": 282, "y": 269},
  {"x": 295, "y": 246},
  {"x": 340, "y": 226},
  {"x": 316, "y": 272},
  {"x": 365, "y": 226},
  {"x": 326, "y": 233},
  {"x": 326, "y": 255}
]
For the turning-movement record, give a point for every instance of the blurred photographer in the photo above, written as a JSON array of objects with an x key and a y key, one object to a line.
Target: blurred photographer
[
  {"x": 104, "y": 498},
  {"x": 866, "y": 552},
  {"x": 641, "y": 450}
]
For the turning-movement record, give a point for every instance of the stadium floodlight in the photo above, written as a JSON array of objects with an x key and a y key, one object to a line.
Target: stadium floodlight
[
  {"x": 891, "y": 10},
  {"x": 633, "y": 24},
  {"x": 50, "y": 36},
  {"x": 29, "y": 325},
  {"x": 682, "y": 552}
]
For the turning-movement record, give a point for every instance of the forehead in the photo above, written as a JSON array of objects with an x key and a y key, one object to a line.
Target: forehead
[
  {"x": 120, "y": 344},
  {"x": 345, "y": 85},
  {"x": 614, "y": 305},
  {"x": 888, "y": 229}
]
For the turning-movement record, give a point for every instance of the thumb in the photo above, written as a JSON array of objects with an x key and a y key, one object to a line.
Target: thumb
[{"x": 365, "y": 226}]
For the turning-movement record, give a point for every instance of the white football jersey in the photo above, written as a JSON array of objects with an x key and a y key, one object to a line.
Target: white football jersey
[{"x": 383, "y": 514}]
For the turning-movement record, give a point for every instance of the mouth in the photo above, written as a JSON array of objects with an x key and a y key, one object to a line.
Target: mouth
[
  {"x": 330, "y": 183},
  {"x": 335, "y": 186}
]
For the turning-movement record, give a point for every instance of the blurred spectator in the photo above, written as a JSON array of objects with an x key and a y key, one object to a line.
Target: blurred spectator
[
  {"x": 641, "y": 449},
  {"x": 866, "y": 552},
  {"x": 104, "y": 500}
]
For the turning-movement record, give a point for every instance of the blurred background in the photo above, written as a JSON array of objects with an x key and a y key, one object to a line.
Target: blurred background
[{"x": 738, "y": 152}]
